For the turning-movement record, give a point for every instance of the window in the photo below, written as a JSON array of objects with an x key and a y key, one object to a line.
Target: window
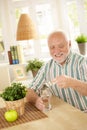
[
  {"x": 85, "y": 10},
  {"x": 77, "y": 13},
  {"x": 73, "y": 16},
  {"x": 45, "y": 25},
  {"x": 2, "y": 53}
]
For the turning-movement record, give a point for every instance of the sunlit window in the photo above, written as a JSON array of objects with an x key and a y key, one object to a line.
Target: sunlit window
[
  {"x": 45, "y": 25},
  {"x": 85, "y": 10},
  {"x": 73, "y": 16},
  {"x": 76, "y": 12},
  {"x": 2, "y": 54}
]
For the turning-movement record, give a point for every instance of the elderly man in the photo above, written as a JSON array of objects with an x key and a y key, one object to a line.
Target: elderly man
[{"x": 67, "y": 69}]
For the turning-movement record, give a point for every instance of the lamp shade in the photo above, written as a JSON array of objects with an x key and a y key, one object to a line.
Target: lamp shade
[{"x": 26, "y": 29}]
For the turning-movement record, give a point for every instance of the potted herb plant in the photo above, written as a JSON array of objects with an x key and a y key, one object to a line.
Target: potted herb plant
[
  {"x": 34, "y": 65},
  {"x": 81, "y": 40},
  {"x": 13, "y": 96}
]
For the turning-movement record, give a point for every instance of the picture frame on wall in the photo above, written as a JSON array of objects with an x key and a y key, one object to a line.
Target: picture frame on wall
[{"x": 19, "y": 73}]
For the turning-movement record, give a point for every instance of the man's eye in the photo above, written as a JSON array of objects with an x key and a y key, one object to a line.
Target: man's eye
[
  {"x": 61, "y": 46},
  {"x": 52, "y": 47}
]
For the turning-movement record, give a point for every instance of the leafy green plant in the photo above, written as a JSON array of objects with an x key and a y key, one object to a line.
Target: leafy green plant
[
  {"x": 34, "y": 65},
  {"x": 14, "y": 92},
  {"x": 81, "y": 38}
]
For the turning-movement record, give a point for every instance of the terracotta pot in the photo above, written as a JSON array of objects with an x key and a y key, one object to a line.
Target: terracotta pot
[
  {"x": 34, "y": 73},
  {"x": 18, "y": 105},
  {"x": 82, "y": 48}
]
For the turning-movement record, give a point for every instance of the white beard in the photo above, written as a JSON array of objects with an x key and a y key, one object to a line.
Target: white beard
[{"x": 62, "y": 59}]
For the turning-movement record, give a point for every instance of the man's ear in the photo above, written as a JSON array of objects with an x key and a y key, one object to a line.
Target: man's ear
[{"x": 69, "y": 43}]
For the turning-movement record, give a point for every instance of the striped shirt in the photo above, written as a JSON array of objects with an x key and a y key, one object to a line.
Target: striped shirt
[{"x": 76, "y": 67}]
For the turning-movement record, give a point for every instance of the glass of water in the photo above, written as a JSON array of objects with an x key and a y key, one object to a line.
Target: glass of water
[{"x": 45, "y": 94}]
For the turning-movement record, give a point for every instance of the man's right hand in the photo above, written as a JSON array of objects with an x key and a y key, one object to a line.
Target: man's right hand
[{"x": 39, "y": 104}]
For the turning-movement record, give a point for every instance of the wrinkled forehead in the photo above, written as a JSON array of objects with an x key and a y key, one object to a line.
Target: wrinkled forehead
[{"x": 57, "y": 37}]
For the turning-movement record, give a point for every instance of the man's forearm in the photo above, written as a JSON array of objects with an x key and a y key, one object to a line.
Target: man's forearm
[{"x": 80, "y": 86}]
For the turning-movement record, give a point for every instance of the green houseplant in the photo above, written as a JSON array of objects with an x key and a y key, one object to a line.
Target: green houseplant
[
  {"x": 13, "y": 96},
  {"x": 81, "y": 40},
  {"x": 34, "y": 65}
]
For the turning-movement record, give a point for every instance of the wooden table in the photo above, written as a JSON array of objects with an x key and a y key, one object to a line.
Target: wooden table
[{"x": 62, "y": 117}]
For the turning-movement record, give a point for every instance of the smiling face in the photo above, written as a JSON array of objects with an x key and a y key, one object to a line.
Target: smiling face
[{"x": 59, "y": 46}]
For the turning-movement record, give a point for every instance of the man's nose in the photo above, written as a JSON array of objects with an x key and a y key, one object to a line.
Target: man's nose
[{"x": 57, "y": 50}]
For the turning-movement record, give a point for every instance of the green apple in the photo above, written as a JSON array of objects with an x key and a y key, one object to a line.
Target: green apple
[{"x": 11, "y": 115}]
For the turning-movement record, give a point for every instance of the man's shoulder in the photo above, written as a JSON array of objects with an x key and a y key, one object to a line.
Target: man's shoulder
[{"x": 79, "y": 56}]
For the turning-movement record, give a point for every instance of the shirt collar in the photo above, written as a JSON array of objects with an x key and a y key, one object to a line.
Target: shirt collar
[{"x": 68, "y": 57}]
